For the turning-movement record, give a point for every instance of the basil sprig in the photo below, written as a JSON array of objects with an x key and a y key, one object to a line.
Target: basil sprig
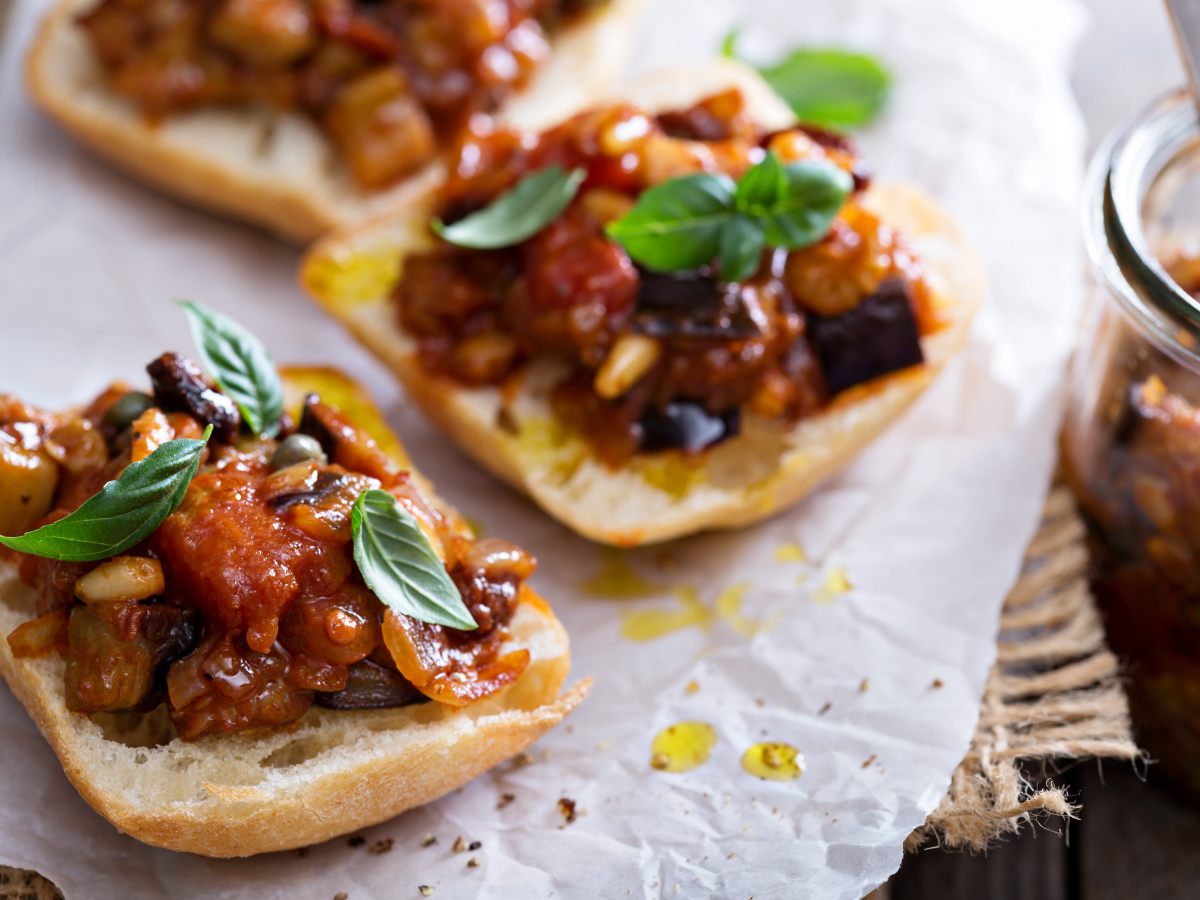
[
  {"x": 691, "y": 221},
  {"x": 125, "y": 511},
  {"x": 240, "y": 364},
  {"x": 398, "y": 563},
  {"x": 831, "y": 87},
  {"x": 517, "y": 214}
]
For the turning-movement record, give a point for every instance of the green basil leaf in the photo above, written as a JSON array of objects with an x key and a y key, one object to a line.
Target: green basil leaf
[
  {"x": 677, "y": 225},
  {"x": 729, "y": 44},
  {"x": 399, "y": 565},
  {"x": 816, "y": 190},
  {"x": 517, "y": 214},
  {"x": 762, "y": 186},
  {"x": 741, "y": 248},
  {"x": 240, "y": 364},
  {"x": 125, "y": 512},
  {"x": 833, "y": 88}
]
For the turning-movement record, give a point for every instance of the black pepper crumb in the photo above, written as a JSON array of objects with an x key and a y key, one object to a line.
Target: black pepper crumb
[
  {"x": 25, "y": 498},
  {"x": 301, "y": 852},
  {"x": 567, "y": 808},
  {"x": 505, "y": 799},
  {"x": 474, "y": 845},
  {"x": 357, "y": 841},
  {"x": 382, "y": 846}
]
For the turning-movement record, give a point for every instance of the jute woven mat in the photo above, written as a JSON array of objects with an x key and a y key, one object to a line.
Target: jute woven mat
[{"x": 1053, "y": 694}]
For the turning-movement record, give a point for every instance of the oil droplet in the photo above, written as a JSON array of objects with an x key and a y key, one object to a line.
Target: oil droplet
[
  {"x": 729, "y": 608},
  {"x": 346, "y": 278},
  {"x": 836, "y": 583},
  {"x": 671, "y": 473},
  {"x": 648, "y": 624},
  {"x": 340, "y": 390},
  {"x": 550, "y": 444},
  {"x": 774, "y": 762},
  {"x": 618, "y": 580},
  {"x": 790, "y": 552},
  {"x": 682, "y": 747}
]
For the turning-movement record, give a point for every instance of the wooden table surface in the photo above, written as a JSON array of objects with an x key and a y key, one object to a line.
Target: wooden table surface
[{"x": 1135, "y": 839}]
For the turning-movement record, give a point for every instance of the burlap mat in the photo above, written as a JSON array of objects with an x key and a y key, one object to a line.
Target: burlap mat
[{"x": 1053, "y": 694}]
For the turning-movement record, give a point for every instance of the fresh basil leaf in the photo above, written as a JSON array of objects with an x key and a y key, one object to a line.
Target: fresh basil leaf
[
  {"x": 239, "y": 363},
  {"x": 125, "y": 512},
  {"x": 677, "y": 225},
  {"x": 816, "y": 190},
  {"x": 399, "y": 565},
  {"x": 729, "y": 44},
  {"x": 517, "y": 214},
  {"x": 742, "y": 243},
  {"x": 761, "y": 187},
  {"x": 834, "y": 88}
]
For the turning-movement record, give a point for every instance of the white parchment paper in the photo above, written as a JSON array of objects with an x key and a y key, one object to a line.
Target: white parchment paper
[{"x": 928, "y": 525}]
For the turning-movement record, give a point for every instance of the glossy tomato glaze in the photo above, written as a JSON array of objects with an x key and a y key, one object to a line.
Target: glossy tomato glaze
[
  {"x": 570, "y": 293},
  {"x": 262, "y": 610},
  {"x": 385, "y": 79}
]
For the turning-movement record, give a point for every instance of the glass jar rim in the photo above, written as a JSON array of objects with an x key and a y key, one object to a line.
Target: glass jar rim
[{"x": 1121, "y": 174}]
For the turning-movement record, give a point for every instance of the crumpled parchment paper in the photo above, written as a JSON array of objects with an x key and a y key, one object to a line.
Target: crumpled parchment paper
[{"x": 926, "y": 529}]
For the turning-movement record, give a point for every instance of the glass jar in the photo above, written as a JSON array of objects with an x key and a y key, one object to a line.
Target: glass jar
[{"x": 1131, "y": 439}]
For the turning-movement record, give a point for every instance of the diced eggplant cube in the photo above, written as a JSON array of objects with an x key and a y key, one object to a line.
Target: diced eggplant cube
[
  {"x": 690, "y": 304},
  {"x": 685, "y": 425},
  {"x": 876, "y": 337}
]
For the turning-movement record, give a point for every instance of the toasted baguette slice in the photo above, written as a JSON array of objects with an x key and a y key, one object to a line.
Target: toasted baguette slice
[
  {"x": 656, "y": 496},
  {"x": 330, "y": 773},
  {"x": 277, "y": 169}
]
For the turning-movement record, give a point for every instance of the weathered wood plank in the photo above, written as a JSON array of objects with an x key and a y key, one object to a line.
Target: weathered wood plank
[
  {"x": 1031, "y": 867},
  {"x": 1137, "y": 841}
]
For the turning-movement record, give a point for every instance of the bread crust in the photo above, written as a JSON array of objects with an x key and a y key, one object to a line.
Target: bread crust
[
  {"x": 329, "y": 773},
  {"x": 658, "y": 496},
  {"x": 272, "y": 169}
]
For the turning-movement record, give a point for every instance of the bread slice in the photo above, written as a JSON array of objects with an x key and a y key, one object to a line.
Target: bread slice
[
  {"x": 277, "y": 169},
  {"x": 664, "y": 495},
  {"x": 329, "y": 773}
]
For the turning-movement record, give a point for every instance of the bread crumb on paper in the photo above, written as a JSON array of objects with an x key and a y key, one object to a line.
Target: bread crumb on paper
[
  {"x": 824, "y": 709},
  {"x": 341, "y": 895},
  {"x": 937, "y": 683},
  {"x": 382, "y": 846},
  {"x": 870, "y": 759},
  {"x": 566, "y": 806},
  {"x": 426, "y": 890},
  {"x": 472, "y": 863},
  {"x": 866, "y": 684},
  {"x": 428, "y": 841},
  {"x": 505, "y": 799},
  {"x": 460, "y": 846}
]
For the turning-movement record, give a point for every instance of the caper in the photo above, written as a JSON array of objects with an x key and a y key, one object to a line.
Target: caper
[
  {"x": 297, "y": 448},
  {"x": 123, "y": 413}
]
